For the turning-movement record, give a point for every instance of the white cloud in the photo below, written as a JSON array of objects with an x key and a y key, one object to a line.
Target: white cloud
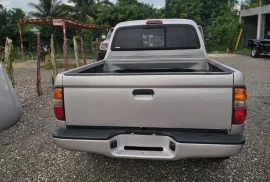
[
  {"x": 5, "y": 3},
  {"x": 156, "y": 3},
  {"x": 23, "y": 4}
]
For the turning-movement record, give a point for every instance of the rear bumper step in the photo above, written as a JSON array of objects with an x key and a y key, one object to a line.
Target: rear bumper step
[
  {"x": 137, "y": 146},
  {"x": 201, "y": 137}
]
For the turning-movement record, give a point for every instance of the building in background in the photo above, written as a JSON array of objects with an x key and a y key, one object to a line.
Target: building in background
[{"x": 256, "y": 21}]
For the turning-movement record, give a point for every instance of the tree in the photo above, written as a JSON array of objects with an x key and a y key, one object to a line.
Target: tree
[
  {"x": 125, "y": 10},
  {"x": 184, "y": 9},
  {"x": 86, "y": 10},
  {"x": 14, "y": 15},
  {"x": 215, "y": 16},
  {"x": 47, "y": 8},
  {"x": 3, "y": 15},
  {"x": 9, "y": 24}
]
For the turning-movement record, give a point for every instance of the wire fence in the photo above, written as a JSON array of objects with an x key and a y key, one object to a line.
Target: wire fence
[{"x": 25, "y": 72}]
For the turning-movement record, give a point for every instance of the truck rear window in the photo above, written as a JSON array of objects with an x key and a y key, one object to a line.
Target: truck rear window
[{"x": 167, "y": 37}]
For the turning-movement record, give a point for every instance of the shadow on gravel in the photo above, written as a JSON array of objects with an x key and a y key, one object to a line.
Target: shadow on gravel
[
  {"x": 150, "y": 170},
  {"x": 265, "y": 56}
]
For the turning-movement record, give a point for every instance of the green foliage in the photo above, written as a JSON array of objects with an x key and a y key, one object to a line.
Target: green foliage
[
  {"x": 9, "y": 24},
  {"x": 225, "y": 29},
  {"x": 47, "y": 8},
  {"x": 85, "y": 10},
  {"x": 184, "y": 9},
  {"x": 244, "y": 51},
  {"x": 125, "y": 10},
  {"x": 216, "y": 16},
  {"x": 256, "y": 3}
]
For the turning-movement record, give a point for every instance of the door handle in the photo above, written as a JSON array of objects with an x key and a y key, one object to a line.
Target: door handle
[{"x": 143, "y": 92}]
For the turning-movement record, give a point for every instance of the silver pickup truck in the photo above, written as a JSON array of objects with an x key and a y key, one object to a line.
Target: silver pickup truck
[{"x": 156, "y": 95}]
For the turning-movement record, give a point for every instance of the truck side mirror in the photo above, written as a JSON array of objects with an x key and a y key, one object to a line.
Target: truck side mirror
[{"x": 103, "y": 37}]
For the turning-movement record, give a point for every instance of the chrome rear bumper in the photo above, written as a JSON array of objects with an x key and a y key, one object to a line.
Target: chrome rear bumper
[{"x": 148, "y": 147}]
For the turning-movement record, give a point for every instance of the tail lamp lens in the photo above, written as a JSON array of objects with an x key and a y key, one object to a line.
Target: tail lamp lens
[
  {"x": 240, "y": 114},
  {"x": 59, "y": 112},
  {"x": 58, "y": 94},
  {"x": 240, "y": 108},
  {"x": 240, "y": 94}
]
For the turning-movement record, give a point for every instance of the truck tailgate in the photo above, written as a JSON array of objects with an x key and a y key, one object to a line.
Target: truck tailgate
[{"x": 201, "y": 101}]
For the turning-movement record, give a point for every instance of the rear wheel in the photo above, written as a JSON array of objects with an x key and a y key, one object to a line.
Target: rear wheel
[{"x": 255, "y": 52}]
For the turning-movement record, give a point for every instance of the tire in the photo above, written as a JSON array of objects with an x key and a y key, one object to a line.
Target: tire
[{"x": 255, "y": 52}]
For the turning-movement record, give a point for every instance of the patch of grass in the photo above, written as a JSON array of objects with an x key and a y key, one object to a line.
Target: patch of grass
[
  {"x": 216, "y": 52},
  {"x": 48, "y": 65},
  {"x": 72, "y": 56},
  {"x": 60, "y": 56},
  {"x": 244, "y": 51},
  {"x": 216, "y": 49}
]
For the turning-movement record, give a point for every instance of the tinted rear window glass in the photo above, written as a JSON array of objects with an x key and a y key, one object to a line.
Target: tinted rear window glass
[
  {"x": 128, "y": 39},
  {"x": 153, "y": 38},
  {"x": 182, "y": 37},
  {"x": 170, "y": 37}
]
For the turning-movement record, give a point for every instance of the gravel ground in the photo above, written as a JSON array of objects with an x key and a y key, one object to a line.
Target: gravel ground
[
  {"x": 25, "y": 80},
  {"x": 27, "y": 152}
]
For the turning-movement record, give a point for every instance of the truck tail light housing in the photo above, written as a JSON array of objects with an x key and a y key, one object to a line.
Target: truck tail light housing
[
  {"x": 58, "y": 99},
  {"x": 149, "y": 22},
  {"x": 240, "y": 114},
  {"x": 240, "y": 94},
  {"x": 240, "y": 107},
  {"x": 59, "y": 112},
  {"x": 58, "y": 94}
]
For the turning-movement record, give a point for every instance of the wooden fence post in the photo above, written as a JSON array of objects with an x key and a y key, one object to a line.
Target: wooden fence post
[
  {"x": 83, "y": 53},
  {"x": 92, "y": 47},
  {"x": 8, "y": 60},
  {"x": 53, "y": 60},
  {"x": 65, "y": 46},
  {"x": 21, "y": 39},
  {"x": 39, "y": 89},
  {"x": 75, "y": 43}
]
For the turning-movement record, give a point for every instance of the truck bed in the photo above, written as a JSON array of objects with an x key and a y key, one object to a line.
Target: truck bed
[
  {"x": 151, "y": 67},
  {"x": 150, "y": 94}
]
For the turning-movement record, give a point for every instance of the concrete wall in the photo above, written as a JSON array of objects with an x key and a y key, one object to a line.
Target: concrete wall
[
  {"x": 250, "y": 31},
  {"x": 257, "y": 23},
  {"x": 267, "y": 24},
  {"x": 255, "y": 11}
]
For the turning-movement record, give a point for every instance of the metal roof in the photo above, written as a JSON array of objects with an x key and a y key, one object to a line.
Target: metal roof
[{"x": 59, "y": 22}]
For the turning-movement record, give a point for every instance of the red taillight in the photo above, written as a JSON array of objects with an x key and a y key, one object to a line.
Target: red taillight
[
  {"x": 240, "y": 108},
  {"x": 240, "y": 114},
  {"x": 154, "y": 22},
  {"x": 59, "y": 112}
]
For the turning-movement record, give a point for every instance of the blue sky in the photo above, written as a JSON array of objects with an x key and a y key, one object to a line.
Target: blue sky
[{"x": 23, "y": 3}]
